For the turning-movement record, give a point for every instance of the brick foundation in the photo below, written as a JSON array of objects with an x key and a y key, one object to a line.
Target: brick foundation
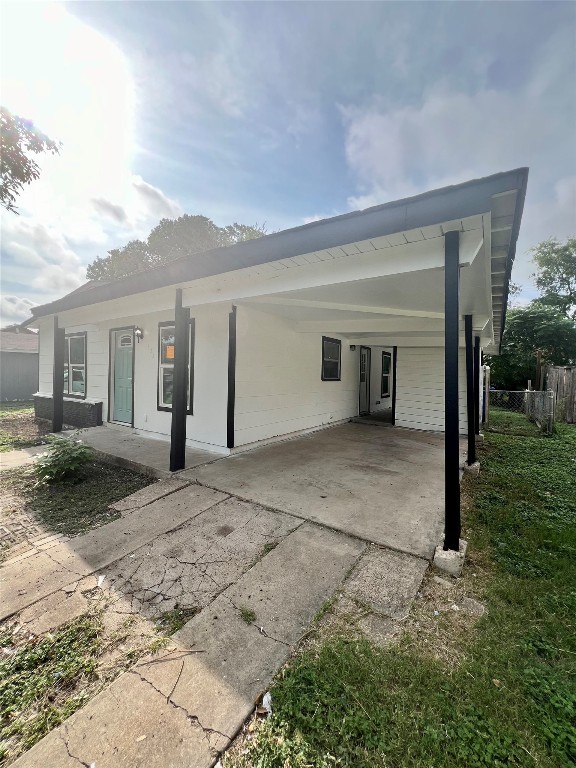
[{"x": 77, "y": 413}]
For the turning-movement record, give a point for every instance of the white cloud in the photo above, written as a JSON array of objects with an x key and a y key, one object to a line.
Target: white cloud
[
  {"x": 110, "y": 210},
  {"x": 56, "y": 279},
  {"x": 14, "y": 309},
  {"x": 153, "y": 201},
  {"x": 453, "y": 136}
]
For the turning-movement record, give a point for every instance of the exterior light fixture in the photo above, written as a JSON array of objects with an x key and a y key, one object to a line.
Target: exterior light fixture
[
  {"x": 352, "y": 347},
  {"x": 139, "y": 333}
]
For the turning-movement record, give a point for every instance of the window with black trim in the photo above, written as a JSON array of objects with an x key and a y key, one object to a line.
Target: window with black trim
[
  {"x": 166, "y": 350},
  {"x": 331, "y": 359},
  {"x": 386, "y": 374},
  {"x": 75, "y": 365}
]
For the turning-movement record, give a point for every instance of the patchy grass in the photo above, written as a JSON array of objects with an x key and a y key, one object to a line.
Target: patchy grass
[
  {"x": 74, "y": 505},
  {"x": 501, "y": 694},
  {"x": 19, "y": 428},
  {"x": 247, "y": 615},
  {"x": 171, "y": 621},
  {"x": 44, "y": 679},
  {"x": 512, "y": 423},
  {"x": 269, "y": 547}
]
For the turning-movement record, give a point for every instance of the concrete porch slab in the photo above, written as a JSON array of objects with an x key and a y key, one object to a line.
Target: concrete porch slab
[
  {"x": 122, "y": 446},
  {"x": 383, "y": 485}
]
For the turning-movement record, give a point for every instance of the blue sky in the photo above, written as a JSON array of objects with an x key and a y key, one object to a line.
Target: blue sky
[{"x": 276, "y": 113}]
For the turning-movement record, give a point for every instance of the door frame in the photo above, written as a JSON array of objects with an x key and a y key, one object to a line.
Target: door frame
[
  {"x": 112, "y": 354},
  {"x": 368, "y": 375}
]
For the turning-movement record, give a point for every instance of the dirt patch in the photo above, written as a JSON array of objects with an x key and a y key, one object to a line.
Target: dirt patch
[
  {"x": 29, "y": 511},
  {"x": 20, "y": 429}
]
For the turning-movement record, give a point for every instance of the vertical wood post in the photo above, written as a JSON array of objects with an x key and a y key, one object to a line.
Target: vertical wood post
[
  {"x": 179, "y": 385},
  {"x": 486, "y": 419},
  {"x": 451, "y": 428},
  {"x": 58, "y": 377},
  {"x": 394, "y": 360},
  {"x": 470, "y": 390},
  {"x": 231, "y": 408},
  {"x": 477, "y": 362}
]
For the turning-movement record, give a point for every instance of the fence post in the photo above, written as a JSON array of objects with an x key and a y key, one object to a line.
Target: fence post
[{"x": 487, "y": 395}]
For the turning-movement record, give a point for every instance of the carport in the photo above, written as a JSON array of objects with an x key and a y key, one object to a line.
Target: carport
[{"x": 266, "y": 340}]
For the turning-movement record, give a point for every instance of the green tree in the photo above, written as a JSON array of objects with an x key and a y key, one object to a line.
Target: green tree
[
  {"x": 19, "y": 138},
  {"x": 529, "y": 329},
  {"x": 131, "y": 258},
  {"x": 556, "y": 274},
  {"x": 170, "y": 239}
]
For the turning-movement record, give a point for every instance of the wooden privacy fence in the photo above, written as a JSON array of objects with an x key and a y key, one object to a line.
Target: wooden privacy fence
[{"x": 562, "y": 381}]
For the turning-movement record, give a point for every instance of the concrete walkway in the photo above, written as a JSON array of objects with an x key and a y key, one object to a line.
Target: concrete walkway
[
  {"x": 19, "y": 458},
  {"x": 272, "y": 534},
  {"x": 183, "y": 706}
]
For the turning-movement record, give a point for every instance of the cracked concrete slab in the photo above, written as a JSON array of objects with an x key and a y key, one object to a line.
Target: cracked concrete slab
[
  {"x": 129, "y": 725},
  {"x": 148, "y": 494},
  {"x": 183, "y": 706},
  {"x": 43, "y": 572},
  {"x": 191, "y": 565},
  {"x": 382, "y": 485},
  {"x": 386, "y": 581},
  {"x": 285, "y": 590}
]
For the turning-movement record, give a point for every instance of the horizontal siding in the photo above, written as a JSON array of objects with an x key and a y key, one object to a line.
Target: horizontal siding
[
  {"x": 420, "y": 389},
  {"x": 279, "y": 389}
]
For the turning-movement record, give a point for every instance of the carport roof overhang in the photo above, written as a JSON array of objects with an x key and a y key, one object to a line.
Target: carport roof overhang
[{"x": 499, "y": 199}]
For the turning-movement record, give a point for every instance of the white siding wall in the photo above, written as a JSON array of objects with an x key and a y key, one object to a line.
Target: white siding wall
[
  {"x": 278, "y": 379},
  {"x": 377, "y": 402},
  {"x": 420, "y": 388},
  {"x": 207, "y": 426}
]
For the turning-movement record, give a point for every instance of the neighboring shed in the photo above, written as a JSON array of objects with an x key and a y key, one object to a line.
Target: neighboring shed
[{"x": 18, "y": 363}]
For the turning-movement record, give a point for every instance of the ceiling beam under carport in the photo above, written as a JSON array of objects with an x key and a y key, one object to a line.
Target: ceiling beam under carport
[
  {"x": 369, "y": 326},
  {"x": 311, "y": 304}
]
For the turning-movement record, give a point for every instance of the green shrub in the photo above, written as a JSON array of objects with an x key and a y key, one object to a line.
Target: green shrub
[{"x": 65, "y": 458}]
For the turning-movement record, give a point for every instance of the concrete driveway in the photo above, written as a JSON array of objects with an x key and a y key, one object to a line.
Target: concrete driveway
[{"x": 384, "y": 485}]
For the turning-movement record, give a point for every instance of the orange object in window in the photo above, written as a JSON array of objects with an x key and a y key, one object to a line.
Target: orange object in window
[{"x": 170, "y": 352}]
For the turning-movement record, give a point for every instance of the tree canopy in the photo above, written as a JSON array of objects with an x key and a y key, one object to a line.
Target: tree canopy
[
  {"x": 556, "y": 274},
  {"x": 169, "y": 240},
  {"x": 19, "y": 138},
  {"x": 529, "y": 329}
]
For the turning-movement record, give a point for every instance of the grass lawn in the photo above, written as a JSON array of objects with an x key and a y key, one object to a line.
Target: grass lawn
[
  {"x": 19, "y": 428},
  {"x": 508, "y": 699},
  {"x": 512, "y": 423}
]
